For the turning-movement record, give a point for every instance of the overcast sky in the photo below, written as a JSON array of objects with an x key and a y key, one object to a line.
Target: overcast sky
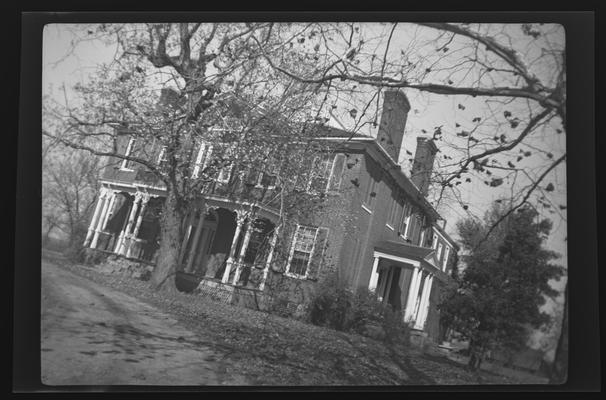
[{"x": 62, "y": 67}]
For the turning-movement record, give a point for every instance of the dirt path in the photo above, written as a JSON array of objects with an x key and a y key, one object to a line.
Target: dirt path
[{"x": 93, "y": 335}]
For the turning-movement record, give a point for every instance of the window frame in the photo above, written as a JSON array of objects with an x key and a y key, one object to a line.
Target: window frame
[
  {"x": 369, "y": 201},
  {"x": 129, "y": 149},
  {"x": 393, "y": 214},
  {"x": 287, "y": 271},
  {"x": 439, "y": 251},
  {"x": 405, "y": 219},
  {"x": 445, "y": 260},
  {"x": 202, "y": 159}
]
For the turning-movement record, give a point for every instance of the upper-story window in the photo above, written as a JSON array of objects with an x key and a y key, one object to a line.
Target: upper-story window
[
  {"x": 301, "y": 251},
  {"x": 445, "y": 260},
  {"x": 370, "y": 194},
  {"x": 404, "y": 227},
  {"x": 434, "y": 243},
  {"x": 440, "y": 249},
  {"x": 162, "y": 157},
  {"x": 320, "y": 173},
  {"x": 225, "y": 162},
  {"x": 130, "y": 150},
  {"x": 324, "y": 174},
  {"x": 423, "y": 230},
  {"x": 393, "y": 212},
  {"x": 202, "y": 159}
]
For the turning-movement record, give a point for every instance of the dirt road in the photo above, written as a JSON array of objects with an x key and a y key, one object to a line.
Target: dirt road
[{"x": 93, "y": 335}]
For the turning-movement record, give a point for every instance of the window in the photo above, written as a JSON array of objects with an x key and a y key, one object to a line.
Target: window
[
  {"x": 435, "y": 241},
  {"x": 225, "y": 164},
  {"x": 268, "y": 175},
  {"x": 320, "y": 173},
  {"x": 423, "y": 232},
  {"x": 445, "y": 260},
  {"x": 301, "y": 251},
  {"x": 202, "y": 159},
  {"x": 371, "y": 194},
  {"x": 127, "y": 164},
  {"x": 440, "y": 248},
  {"x": 393, "y": 212},
  {"x": 405, "y": 220},
  {"x": 162, "y": 158}
]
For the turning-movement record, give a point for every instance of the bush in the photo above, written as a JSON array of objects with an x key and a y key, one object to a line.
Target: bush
[{"x": 335, "y": 306}]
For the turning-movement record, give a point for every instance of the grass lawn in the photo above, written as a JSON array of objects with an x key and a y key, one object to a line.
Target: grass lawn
[{"x": 271, "y": 350}]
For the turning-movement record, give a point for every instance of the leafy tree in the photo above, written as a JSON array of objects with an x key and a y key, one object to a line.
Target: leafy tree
[{"x": 505, "y": 281}]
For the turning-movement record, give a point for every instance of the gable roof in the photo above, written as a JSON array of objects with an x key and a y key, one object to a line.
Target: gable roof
[{"x": 423, "y": 255}]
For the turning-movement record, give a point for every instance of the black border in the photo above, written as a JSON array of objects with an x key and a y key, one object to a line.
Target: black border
[{"x": 584, "y": 355}]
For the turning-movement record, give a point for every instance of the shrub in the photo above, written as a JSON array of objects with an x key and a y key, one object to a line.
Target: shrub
[{"x": 335, "y": 306}]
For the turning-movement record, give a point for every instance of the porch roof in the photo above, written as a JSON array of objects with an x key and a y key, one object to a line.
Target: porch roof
[
  {"x": 404, "y": 250},
  {"x": 407, "y": 253}
]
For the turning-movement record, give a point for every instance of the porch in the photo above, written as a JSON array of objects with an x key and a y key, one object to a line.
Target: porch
[
  {"x": 402, "y": 276},
  {"x": 223, "y": 241}
]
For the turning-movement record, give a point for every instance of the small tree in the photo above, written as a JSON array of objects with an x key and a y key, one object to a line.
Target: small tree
[{"x": 504, "y": 283}]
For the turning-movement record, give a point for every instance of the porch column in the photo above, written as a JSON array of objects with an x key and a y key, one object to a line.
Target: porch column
[
  {"x": 144, "y": 199},
  {"x": 193, "y": 249},
  {"x": 110, "y": 208},
  {"x": 243, "y": 248},
  {"x": 230, "y": 260},
  {"x": 413, "y": 289},
  {"x": 270, "y": 256},
  {"x": 93, "y": 244},
  {"x": 424, "y": 307},
  {"x": 131, "y": 218},
  {"x": 93, "y": 221},
  {"x": 374, "y": 275}
]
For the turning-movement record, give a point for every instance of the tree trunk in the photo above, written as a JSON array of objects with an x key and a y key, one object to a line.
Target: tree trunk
[
  {"x": 559, "y": 370},
  {"x": 163, "y": 277},
  {"x": 476, "y": 355}
]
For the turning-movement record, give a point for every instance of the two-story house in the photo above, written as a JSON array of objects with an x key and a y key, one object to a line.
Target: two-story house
[{"x": 376, "y": 227}]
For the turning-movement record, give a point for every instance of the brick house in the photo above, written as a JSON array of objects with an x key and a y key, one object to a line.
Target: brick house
[{"x": 376, "y": 227}]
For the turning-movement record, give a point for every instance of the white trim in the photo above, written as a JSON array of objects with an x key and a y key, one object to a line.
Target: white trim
[
  {"x": 449, "y": 242},
  {"x": 346, "y": 139},
  {"x": 161, "y": 155},
  {"x": 368, "y": 210},
  {"x": 445, "y": 260},
  {"x": 397, "y": 258},
  {"x": 292, "y": 252},
  {"x": 129, "y": 149},
  {"x": 201, "y": 158},
  {"x": 390, "y": 227},
  {"x": 371, "y": 188}
]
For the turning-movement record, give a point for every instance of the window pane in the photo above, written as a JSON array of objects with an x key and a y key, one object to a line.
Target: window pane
[{"x": 298, "y": 264}]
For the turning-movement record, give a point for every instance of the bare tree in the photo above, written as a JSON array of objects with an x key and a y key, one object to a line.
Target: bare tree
[
  {"x": 216, "y": 88},
  {"x": 514, "y": 74},
  {"x": 69, "y": 185}
]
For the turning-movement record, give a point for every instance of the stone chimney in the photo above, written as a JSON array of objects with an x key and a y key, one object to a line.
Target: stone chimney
[
  {"x": 423, "y": 163},
  {"x": 393, "y": 122}
]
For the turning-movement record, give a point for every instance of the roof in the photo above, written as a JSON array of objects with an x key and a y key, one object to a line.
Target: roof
[
  {"x": 423, "y": 255},
  {"x": 404, "y": 250}
]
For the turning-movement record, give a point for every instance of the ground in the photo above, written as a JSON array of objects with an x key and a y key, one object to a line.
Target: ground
[
  {"x": 93, "y": 335},
  {"x": 102, "y": 329}
]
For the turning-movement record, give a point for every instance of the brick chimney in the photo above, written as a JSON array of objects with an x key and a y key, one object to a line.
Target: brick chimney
[
  {"x": 423, "y": 163},
  {"x": 393, "y": 122}
]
